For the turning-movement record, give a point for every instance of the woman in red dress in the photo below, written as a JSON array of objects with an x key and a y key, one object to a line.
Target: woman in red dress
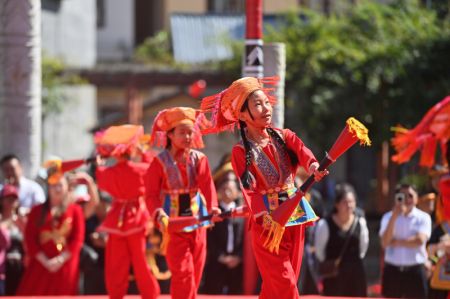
[
  {"x": 127, "y": 221},
  {"x": 179, "y": 183},
  {"x": 266, "y": 162},
  {"x": 54, "y": 235}
]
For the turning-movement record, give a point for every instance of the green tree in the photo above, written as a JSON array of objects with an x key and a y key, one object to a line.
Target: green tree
[
  {"x": 384, "y": 64},
  {"x": 155, "y": 50},
  {"x": 53, "y": 78}
]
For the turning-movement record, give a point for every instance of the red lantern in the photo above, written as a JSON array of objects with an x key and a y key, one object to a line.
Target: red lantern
[{"x": 197, "y": 88}]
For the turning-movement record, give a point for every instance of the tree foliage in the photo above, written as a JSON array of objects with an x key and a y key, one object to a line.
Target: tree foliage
[
  {"x": 155, "y": 50},
  {"x": 53, "y": 78},
  {"x": 384, "y": 64}
]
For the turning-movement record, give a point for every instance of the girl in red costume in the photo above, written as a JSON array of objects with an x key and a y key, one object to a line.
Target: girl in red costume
[
  {"x": 179, "y": 184},
  {"x": 54, "y": 235},
  {"x": 126, "y": 222},
  {"x": 266, "y": 162}
]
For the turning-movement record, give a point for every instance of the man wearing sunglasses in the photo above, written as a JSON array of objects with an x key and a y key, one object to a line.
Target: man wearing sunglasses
[{"x": 404, "y": 232}]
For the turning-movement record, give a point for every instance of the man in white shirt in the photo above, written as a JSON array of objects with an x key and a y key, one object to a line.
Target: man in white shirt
[
  {"x": 404, "y": 232},
  {"x": 30, "y": 192}
]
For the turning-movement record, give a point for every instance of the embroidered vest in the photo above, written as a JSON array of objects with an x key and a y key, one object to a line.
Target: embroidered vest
[
  {"x": 182, "y": 199},
  {"x": 278, "y": 183}
]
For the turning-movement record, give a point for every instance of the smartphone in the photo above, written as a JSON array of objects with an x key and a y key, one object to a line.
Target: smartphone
[{"x": 400, "y": 197}]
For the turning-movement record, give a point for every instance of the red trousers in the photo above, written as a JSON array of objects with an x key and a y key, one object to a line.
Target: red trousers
[
  {"x": 280, "y": 271},
  {"x": 186, "y": 255},
  {"x": 121, "y": 252}
]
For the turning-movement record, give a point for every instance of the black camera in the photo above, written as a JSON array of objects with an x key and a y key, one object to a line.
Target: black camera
[{"x": 400, "y": 197}]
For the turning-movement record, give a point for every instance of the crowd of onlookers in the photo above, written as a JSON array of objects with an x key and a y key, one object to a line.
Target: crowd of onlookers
[{"x": 334, "y": 248}]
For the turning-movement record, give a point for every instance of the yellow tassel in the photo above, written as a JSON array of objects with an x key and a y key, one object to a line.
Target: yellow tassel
[
  {"x": 274, "y": 233},
  {"x": 360, "y": 130},
  {"x": 155, "y": 269},
  {"x": 165, "y": 235}
]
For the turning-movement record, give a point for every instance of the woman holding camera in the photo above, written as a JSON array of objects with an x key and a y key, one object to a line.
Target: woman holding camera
[{"x": 343, "y": 236}]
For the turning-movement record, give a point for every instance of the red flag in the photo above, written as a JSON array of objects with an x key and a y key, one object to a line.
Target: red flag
[{"x": 434, "y": 128}]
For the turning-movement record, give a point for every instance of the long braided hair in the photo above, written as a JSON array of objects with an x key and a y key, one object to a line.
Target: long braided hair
[
  {"x": 247, "y": 177},
  {"x": 169, "y": 141},
  {"x": 292, "y": 155}
]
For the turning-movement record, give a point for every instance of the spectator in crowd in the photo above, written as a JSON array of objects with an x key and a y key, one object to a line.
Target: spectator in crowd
[
  {"x": 53, "y": 239},
  {"x": 343, "y": 235},
  {"x": 404, "y": 232},
  {"x": 4, "y": 244},
  {"x": 15, "y": 225},
  {"x": 93, "y": 268},
  {"x": 30, "y": 192},
  {"x": 85, "y": 192},
  {"x": 223, "y": 272}
]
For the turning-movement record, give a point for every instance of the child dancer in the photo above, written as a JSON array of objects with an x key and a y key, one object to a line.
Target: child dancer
[
  {"x": 266, "y": 162},
  {"x": 126, "y": 222},
  {"x": 179, "y": 183}
]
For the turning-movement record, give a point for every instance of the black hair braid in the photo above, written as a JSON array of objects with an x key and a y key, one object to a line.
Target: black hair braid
[
  {"x": 168, "y": 140},
  {"x": 246, "y": 176},
  {"x": 292, "y": 156}
]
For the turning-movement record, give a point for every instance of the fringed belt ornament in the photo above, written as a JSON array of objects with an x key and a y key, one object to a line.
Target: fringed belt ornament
[
  {"x": 274, "y": 233},
  {"x": 164, "y": 225}
]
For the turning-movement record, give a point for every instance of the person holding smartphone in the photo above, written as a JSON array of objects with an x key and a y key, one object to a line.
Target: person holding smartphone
[{"x": 404, "y": 232}]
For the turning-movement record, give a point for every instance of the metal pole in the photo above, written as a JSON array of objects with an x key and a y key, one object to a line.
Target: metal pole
[
  {"x": 275, "y": 65},
  {"x": 20, "y": 81},
  {"x": 254, "y": 57}
]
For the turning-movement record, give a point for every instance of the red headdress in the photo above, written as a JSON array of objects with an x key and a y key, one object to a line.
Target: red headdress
[
  {"x": 118, "y": 140},
  {"x": 226, "y": 105},
  {"x": 168, "y": 119},
  {"x": 434, "y": 128},
  {"x": 56, "y": 168}
]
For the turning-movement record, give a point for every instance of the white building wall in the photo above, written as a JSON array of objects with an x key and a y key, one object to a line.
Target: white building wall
[
  {"x": 115, "y": 40},
  {"x": 69, "y": 32},
  {"x": 66, "y": 134}
]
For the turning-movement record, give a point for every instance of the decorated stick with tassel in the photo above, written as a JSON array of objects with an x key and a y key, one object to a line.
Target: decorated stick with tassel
[
  {"x": 274, "y": 223},
  {"x": 179, "y": 223}
]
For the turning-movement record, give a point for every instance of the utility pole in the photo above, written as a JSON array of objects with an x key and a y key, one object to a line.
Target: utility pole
[
  {"x": 254, "y": 57},
  {"x": 20, "y": 81}
]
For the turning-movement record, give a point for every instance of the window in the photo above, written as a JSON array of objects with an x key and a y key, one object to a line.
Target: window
[
  {"x": 226, "y": 6},
  {"x": 101, "y": 14}
]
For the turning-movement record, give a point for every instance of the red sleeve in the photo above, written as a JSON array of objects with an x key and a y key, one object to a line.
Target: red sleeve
[
  {"x": 31, "y": 233},
  {"x": 238, "y": 160},
  {"x": 76, "y": 239},
  {"x": 153, "y": 185},
  {"x": 304, "y": 154},
  {"x": 206, "y": 183},
  {"x": 102, "y": 178}
]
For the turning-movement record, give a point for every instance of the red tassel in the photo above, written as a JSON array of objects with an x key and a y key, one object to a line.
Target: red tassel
[
  {"x": 428, "y": 152},
  {"x": 71, "y": 165}
]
